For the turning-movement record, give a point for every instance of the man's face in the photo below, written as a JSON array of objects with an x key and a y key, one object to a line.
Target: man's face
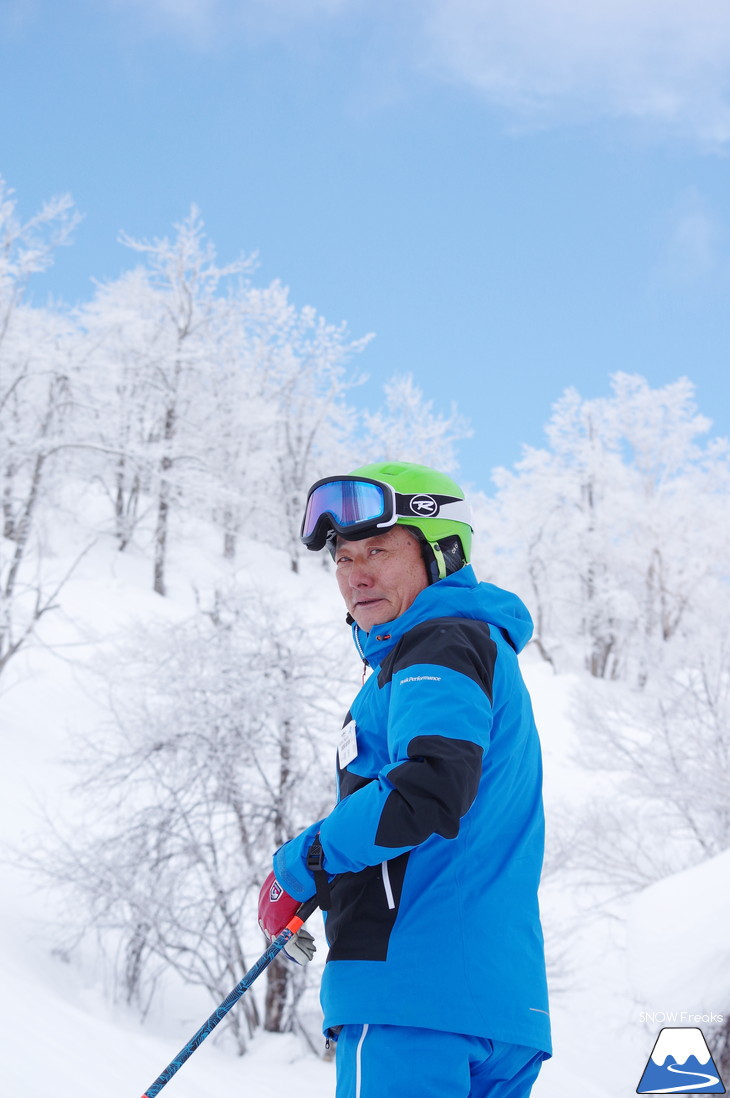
[{"x": 379, "y": 577}]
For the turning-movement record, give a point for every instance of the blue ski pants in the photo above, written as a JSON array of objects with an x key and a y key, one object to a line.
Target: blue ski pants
[{"x": 376, "y": 1061}]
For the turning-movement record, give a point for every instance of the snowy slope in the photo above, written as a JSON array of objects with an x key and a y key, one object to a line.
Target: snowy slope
[
  {"x": 678, "y": 943},
  {"x": 62, "y": 1037},
  {"x": 54, "y": 1047}
]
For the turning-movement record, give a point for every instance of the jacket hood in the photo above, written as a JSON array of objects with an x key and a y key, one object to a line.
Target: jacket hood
[{"x": 459, "y": 595}]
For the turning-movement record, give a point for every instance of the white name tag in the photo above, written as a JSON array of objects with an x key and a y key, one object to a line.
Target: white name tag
[{"x": 347, "y": 747}]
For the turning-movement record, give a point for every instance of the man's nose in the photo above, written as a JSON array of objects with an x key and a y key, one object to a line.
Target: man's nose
[{"x": 360, "y": 575}]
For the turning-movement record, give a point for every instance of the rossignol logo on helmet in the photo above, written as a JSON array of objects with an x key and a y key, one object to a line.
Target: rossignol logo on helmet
[
  {"x": 275, "y": 892},
  {"x": 425, "y": 506}
]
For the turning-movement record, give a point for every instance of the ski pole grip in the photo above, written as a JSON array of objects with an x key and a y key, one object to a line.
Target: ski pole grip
[{"x": 305, "y": 910}]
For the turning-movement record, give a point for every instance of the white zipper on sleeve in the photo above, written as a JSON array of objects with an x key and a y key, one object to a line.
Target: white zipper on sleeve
[{"x": 388, "y": 888}]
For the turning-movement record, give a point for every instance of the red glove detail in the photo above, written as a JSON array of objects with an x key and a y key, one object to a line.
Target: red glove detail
[{"x": 276, "y": 907}]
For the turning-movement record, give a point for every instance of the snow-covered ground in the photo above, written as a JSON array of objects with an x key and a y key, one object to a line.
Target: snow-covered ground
[
  {"x": 63, "y": 1038},
  {"x": 686, "y": 919}
]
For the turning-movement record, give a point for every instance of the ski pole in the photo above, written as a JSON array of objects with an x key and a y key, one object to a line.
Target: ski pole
[{"x": 294, "y": 924}]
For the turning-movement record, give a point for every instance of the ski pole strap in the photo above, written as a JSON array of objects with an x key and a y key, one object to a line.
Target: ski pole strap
[{"x": 315, "y": 863}]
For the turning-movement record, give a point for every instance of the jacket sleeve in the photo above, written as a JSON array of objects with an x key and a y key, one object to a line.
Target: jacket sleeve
[{"x": 438, "y": 729}]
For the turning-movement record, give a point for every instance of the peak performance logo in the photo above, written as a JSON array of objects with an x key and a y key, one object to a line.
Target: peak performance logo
[{"x": 680, "y": 1063}]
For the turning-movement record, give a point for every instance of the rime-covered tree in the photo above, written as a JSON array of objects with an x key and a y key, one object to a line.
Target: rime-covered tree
[
  {"x": 612, "y": 530},
  {"x": 35, "y": 402},
  {"x": 185, "y": 274},
  {"x": 155, "y": 336},
  {"x": 277, "y": 405},
  {"x": 406, "y": 428},
  {"x": 308, "y": 381},
  {"x": 124, "y": 342}
]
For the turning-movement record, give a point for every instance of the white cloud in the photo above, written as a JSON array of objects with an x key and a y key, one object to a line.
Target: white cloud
[{"x": 665, "y": 61}]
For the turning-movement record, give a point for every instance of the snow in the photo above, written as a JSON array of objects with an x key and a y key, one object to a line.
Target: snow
[
  {"x": 53, "y": 1046},
  {"x": 63, "y": 1036},
  {"x": 678, "y": 947}
]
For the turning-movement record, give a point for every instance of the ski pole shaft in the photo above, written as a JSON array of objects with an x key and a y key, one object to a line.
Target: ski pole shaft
[{"x": 291, "y": 928}]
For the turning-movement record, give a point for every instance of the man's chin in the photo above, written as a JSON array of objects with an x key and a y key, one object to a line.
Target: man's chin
[{"x": 368, "y": 617}]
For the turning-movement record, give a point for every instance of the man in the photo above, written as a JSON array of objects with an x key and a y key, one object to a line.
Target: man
[{"x": 430, "y": 861}]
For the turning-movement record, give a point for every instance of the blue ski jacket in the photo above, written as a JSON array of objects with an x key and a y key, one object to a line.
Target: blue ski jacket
[{"x": 438, "y": 832}]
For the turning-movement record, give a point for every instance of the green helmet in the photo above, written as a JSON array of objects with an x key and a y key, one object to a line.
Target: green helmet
[{"x": 374, "y": 497}]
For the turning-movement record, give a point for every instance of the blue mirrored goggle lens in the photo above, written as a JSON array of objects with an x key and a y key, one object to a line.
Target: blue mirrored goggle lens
[{"x": 347, "y": 501}]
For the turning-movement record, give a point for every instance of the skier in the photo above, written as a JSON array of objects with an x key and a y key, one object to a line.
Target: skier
[{"x": 429, "y": 863}]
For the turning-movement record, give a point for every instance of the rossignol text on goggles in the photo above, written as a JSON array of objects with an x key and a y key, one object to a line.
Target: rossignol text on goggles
[{"x": 355, "y": 507}]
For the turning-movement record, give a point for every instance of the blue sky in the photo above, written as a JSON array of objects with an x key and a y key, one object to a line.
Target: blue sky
[{"x": 514, "y": 197}]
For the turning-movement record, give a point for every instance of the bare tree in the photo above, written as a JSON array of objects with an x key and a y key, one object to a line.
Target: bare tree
[
  {"x": 664, "y": 756},
  {"x": 212, "y": 757}
]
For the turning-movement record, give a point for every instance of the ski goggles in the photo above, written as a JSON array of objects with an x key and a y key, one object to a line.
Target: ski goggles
[{"x": 354, "y": 507}]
